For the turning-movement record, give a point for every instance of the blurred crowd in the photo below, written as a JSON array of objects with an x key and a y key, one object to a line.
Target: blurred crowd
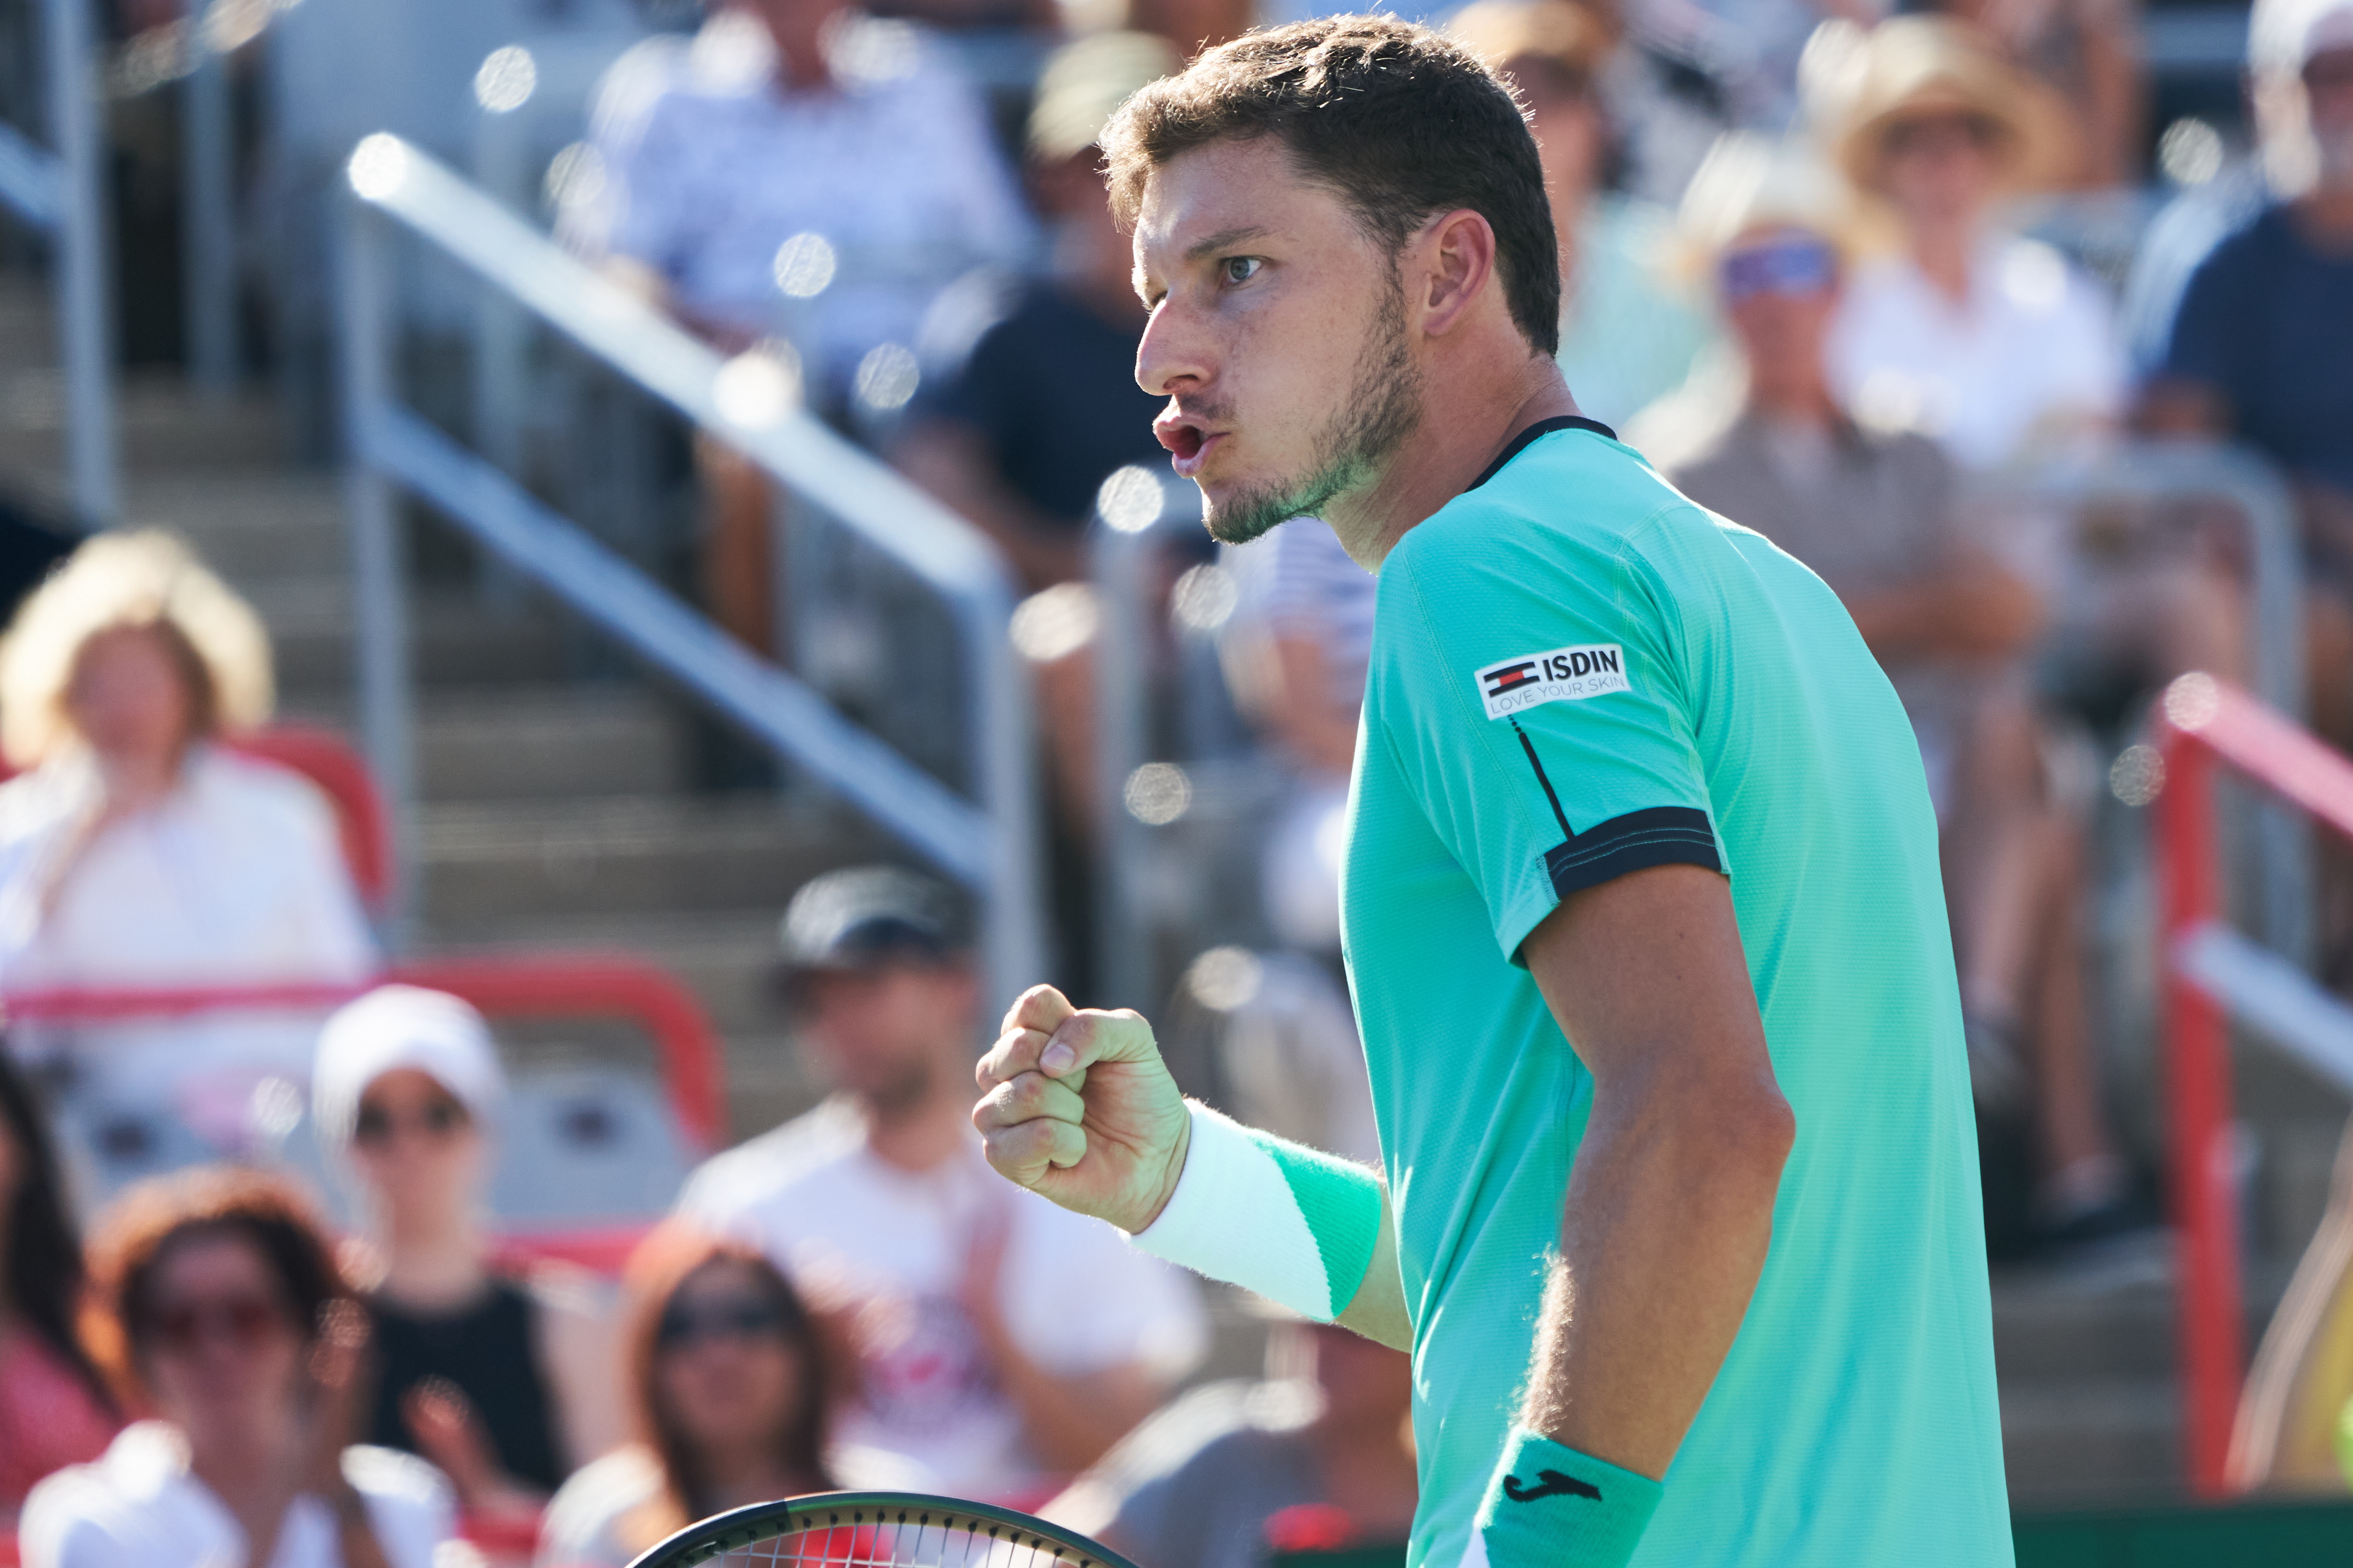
[{"x": 1817, "y": 269}]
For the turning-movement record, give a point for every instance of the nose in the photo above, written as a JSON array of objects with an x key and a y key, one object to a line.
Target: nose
[{"x": 1173, "y": 356}]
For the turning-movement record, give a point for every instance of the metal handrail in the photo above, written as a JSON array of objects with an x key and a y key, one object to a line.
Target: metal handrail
[
  {"x": 2202, "y": 725},
  {"x": 61, "y": 193},
  {"x": 990, "y": 845}
]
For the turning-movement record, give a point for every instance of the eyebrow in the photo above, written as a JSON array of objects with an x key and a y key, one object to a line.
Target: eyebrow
[{"x": 1222, "y": 239}]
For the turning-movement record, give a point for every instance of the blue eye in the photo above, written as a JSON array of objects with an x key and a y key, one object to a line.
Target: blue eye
[{"x": 1241, "y": 269}]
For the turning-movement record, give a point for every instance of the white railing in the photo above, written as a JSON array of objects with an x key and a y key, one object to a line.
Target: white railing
[
  {"x": 989, "y": 845},
  {"x": 60, "y": 191}
]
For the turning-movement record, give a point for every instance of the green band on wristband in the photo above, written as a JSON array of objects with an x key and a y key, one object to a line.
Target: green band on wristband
[
  {"x": 1551, "y": 1505},
  {"x": 1340, "y": 1202}
]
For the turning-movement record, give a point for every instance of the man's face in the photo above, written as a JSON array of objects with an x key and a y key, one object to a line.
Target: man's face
[
  {"x": 1779, "y": 288},
  {"x": 1277, "y": 334},
  {"x": 2329, "y": 96},
  {"x": 886, "y": 1035}
]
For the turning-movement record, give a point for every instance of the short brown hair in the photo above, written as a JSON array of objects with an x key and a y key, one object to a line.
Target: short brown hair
[
  {"x": 1401, "y": 121},
  {"x": 143, "y": 1225}
]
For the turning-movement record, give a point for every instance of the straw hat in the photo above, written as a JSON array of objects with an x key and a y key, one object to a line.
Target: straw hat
[
  {"x": 1577, "y": 38},
  {"x": 1910, "y": 67},
  {"x": 1085, "y": 82},
  {"x": 1749, "y": 182}
]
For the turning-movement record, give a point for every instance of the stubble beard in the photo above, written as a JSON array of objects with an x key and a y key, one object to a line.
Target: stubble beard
[{"x": 1382, "y": 408}]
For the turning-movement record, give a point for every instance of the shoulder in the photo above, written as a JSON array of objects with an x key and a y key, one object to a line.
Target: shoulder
[
  {"x": 122, "y": 1499},
  {"x": 41, "y": 801},
  {"x": 2040, "y": 286},
  {"x": 586, "y": 1506},
  {"x": 2249, "y": 250},
  {"x": 229, "y": 782},
  {"x": 763, "y": 1169}
]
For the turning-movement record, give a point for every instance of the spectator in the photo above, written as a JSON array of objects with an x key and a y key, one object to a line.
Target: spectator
[
  {"x": 730, "y": 1386},
  {"x": 1301, "y": 656},
  {"x": 791, "y": 174},
  {"x": 1044, "y": 406},
  {"x": 218, "y": 1310},
  {"x": 1873, "y": 513},
  {"x": 1627, "y": 337},
  {"x": 1217, "y": 1481},
  {"x": 2087, "y": 54},
  {"x": 973, "y": 1370},
  {"x": 138, "y": 851},
  {"x": 1991, "y": 344},
  {"x": 54, "y": 1408},
  {"x": 499, "y": 1380},
  {"x": 2262, "y": 346}
]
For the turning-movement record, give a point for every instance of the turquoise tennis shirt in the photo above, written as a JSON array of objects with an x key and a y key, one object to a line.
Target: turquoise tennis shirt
[{"x": 1577, "y": 673}]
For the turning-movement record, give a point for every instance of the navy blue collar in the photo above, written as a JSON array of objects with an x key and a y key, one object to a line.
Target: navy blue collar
[{"x": 1542, "y": 428}]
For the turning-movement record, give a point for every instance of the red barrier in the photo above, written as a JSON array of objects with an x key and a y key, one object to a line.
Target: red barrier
[
  {"x": 2203, "y": 721},
  {"x": 561, "y": 986}
]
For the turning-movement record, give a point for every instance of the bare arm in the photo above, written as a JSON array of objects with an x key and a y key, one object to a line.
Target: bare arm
[
  {"x": 1669, "y": 1206},
  {"x": 947, "y": 459},
  {"x": 1973, "y": 608}
]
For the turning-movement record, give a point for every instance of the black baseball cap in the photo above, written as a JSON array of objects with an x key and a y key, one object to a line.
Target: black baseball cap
[{"x": 864, "y": 918}]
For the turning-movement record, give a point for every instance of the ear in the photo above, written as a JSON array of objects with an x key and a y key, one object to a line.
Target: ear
[{"x": 1448, "y": 268}]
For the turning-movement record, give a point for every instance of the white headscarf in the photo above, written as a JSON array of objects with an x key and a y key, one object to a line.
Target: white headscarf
[{"x": 395, "y": 1026}]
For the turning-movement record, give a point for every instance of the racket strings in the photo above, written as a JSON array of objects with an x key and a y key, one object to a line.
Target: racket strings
[{"x": 902, "y": 1542}]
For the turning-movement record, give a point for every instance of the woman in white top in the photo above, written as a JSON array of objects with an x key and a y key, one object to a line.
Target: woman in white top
[
  {"x": 221, "y": 1314},
  {"x": 137, "y": 853},
  {"x": 1989, "y": 344}
]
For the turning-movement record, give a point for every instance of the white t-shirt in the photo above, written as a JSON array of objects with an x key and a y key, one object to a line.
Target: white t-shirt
[
  {"x": 709, "y": 168},
  {"x": 853, "y": 1230},
  {"x": 2029, "y": 358},
  {"x": 238, "y": 876},
  {"x": 138, "y": 1507}
]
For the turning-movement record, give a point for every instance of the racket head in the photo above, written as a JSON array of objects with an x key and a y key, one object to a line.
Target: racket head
[{"x": 877, "y": 1530}]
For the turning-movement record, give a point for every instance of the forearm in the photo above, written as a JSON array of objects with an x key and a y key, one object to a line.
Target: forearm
[
  {"x": 1665, "y": 1235},
  {"x": 1296, "y": 1226}
]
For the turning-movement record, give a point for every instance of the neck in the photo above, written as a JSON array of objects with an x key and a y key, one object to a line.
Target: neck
[
  {"x": 432, "y": 1262},
  {"x": 922, "y": 1135},
  {"x": 1943, "y": 252},
  {"x": 132, "y": 782},
  {"x": 734, "y": 1480},
  {"x": 1468, "y": 418},
  {"x": 2326, "y": 215},
  {"x": 1805, "y": 402},
  {"x": 252, "y": 1472}
]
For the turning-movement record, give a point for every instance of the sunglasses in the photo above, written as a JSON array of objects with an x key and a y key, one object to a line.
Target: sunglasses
[
  {"x": 1922, "y": 132},
  {"x": 1791, "y": 268},
  {"x": 438, "y": 1120},
  {"x": 244, "y": 1323},
  {"x": 746, "y": 1318}
]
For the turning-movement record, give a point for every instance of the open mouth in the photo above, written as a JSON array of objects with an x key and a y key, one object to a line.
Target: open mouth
[{"x": 1189, "y": 442}]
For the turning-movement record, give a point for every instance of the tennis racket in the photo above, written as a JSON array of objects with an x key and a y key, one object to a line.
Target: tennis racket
[{"x": 878, "y": 1529}]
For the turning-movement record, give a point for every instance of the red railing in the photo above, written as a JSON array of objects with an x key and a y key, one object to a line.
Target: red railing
[
  {"x": 569, "y": 985},
  {"x": 2202, "y": 722}
]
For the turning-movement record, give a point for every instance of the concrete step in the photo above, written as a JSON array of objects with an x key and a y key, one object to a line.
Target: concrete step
[
  {"x": 455, "y": 642},
  {"x": 252, "y": 528},
  {"x": 726, "y": 956},
  {"x": 535, "y": 741},
  {"x": 162, "y": 427},
  {"x": 493, "y": 861}
]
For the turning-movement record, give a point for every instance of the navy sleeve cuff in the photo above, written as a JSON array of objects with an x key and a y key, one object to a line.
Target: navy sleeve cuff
[{"x": 1661, "y": 836}]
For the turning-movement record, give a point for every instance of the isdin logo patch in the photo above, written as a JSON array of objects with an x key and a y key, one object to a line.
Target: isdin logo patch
[{"x": 1564, "y": 675}]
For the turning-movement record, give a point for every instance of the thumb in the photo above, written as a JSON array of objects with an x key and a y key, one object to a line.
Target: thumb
[{"x": 1086, "y": 1038}]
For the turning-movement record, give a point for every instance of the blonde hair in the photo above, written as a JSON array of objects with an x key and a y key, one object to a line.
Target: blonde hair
[{"x": 150, "y": 580}]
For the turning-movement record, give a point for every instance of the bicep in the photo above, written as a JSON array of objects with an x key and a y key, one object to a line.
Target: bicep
[{"x": 1646, "y": 976}]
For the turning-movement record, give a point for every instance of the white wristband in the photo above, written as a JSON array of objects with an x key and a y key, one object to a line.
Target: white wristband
[{"x": 1293, "y": 1225}]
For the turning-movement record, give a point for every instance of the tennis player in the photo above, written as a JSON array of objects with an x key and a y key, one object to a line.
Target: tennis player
[{"x": 1681, "y": 1218}]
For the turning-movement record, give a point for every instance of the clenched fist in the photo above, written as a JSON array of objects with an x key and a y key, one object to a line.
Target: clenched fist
[{"x": 1078, "y": 1105}]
